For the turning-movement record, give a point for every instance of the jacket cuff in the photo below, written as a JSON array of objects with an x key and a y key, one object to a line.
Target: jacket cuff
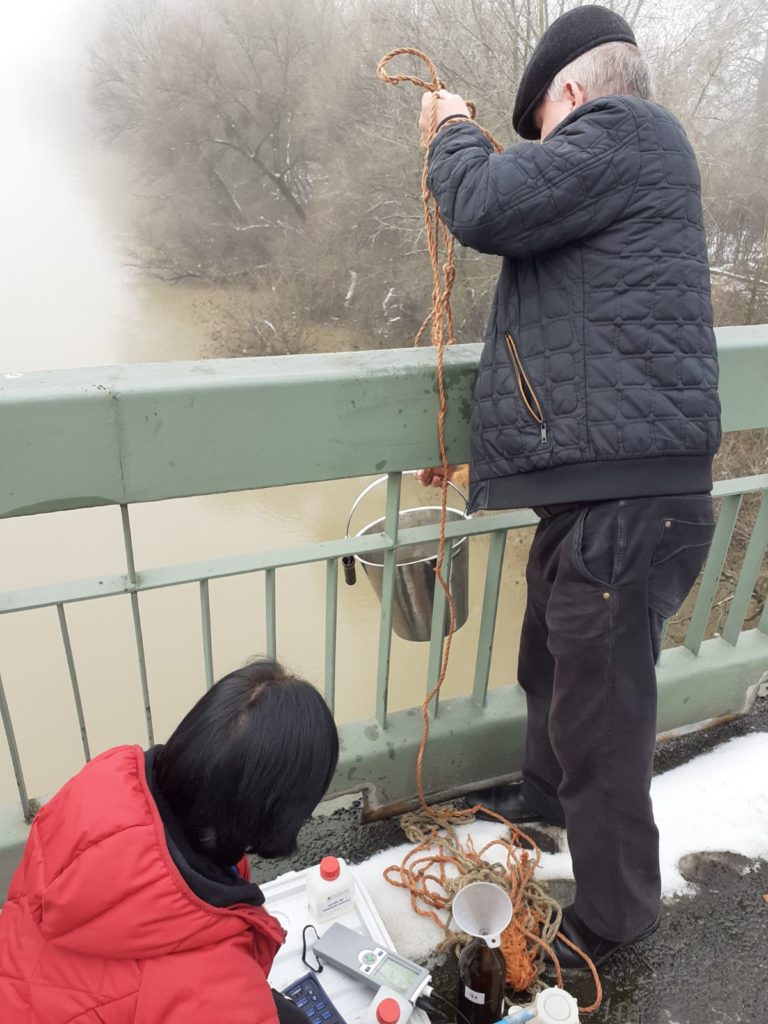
[{"x": 452, "y": 117}]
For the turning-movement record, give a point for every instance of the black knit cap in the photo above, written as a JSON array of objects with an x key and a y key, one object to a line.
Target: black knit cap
[{"x": 572, "y": 34}]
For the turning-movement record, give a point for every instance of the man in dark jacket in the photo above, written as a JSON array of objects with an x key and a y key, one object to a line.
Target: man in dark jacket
[{"x": 596, "y": 404}]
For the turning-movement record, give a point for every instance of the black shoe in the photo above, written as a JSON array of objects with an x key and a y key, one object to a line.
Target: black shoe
[
  {"x": 597, "y": 949},
  {"x": 508, "y": 801}
]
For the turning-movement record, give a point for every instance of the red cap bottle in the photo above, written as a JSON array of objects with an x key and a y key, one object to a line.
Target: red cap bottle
[
  {"x": 329, "y": 869},
  {"x": 388, "y": 1011}
]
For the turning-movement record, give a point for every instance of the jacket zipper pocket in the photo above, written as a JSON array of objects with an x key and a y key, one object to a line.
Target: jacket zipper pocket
[{"x": 527, "y": 392}]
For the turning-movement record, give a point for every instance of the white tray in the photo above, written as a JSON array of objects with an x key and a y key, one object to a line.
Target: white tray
[{"x": 287, "y": 901}]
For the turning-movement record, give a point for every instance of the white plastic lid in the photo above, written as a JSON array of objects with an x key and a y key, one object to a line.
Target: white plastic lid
[{"x": 555, "y": 1006}]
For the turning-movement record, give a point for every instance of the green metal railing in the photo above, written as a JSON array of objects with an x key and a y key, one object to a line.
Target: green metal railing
[{"x": 124, "y": 435}]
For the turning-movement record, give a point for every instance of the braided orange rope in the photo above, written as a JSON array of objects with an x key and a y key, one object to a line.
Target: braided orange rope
[{"x": 522, "y": 941}]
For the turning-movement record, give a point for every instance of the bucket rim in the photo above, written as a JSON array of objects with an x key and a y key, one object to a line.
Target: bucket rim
[{"x": 457, "y": 541}]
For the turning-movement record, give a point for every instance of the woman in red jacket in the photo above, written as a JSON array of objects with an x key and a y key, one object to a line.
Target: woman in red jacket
[{"x": 132, "y": 903}]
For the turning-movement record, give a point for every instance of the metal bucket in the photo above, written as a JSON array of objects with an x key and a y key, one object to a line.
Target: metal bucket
[{"x": 415, "y": 578}]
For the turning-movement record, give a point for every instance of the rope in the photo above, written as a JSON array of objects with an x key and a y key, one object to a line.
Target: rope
[{"x": 439, "y": 865}]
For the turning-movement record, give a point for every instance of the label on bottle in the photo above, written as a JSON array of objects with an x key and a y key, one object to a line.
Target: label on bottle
[
  {"x": 474, "y": 997},
  {"x": 334, "y": 902}
]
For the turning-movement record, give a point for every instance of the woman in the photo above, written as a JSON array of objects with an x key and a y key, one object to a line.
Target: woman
[{"x": 132, "y": 903}]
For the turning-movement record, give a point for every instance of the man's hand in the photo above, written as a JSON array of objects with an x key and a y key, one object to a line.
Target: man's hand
[
  {"x": 448, "y": 105},
  {"x": 434, "y": 477}
]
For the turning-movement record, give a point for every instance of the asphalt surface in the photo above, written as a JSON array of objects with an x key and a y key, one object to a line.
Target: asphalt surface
[{"x": 707, "y": 963}]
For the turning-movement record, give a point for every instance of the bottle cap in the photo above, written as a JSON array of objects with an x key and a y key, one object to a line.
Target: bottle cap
[
  {"x": 388, "y": 1011},
  {"x": 329, "y": 869}
]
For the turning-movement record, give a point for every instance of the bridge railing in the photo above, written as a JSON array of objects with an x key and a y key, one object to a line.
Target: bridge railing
[{"x": 140, "y": 433}]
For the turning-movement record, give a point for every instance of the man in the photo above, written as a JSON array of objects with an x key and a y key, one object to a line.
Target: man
[{"x": 596, "y": 404}]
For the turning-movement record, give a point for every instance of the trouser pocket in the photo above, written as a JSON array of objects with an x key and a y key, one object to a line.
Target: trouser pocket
[{"x": 676, "y": 563}]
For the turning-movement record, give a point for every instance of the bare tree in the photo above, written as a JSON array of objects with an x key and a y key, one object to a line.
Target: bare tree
[{"x": 267, "y": 156}]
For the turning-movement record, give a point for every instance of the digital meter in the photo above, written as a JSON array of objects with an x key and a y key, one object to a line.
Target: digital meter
[{"x": 353, "y": 953}]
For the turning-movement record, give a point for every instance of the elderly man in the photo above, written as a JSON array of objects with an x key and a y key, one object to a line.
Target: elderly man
[{"x": 596, "y": 404}]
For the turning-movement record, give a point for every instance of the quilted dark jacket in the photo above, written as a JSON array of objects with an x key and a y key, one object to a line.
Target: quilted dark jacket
[{"x": 598, "y": 378}]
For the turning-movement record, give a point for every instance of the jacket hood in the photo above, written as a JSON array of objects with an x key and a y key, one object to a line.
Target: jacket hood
[{"x": 99, "y": 878}]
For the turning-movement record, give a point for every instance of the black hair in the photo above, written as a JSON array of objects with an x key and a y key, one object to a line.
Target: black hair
[{"x": 249, "y": 763}]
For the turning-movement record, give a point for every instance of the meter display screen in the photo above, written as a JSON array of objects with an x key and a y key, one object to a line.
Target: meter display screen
[{"x": 400, "y": 977}]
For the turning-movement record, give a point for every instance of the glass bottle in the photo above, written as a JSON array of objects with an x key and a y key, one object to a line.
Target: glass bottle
[{"x": 482, "y": 974}]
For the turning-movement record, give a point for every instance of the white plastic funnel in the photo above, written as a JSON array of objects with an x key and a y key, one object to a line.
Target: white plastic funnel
[{"x": 482, "y": 910}]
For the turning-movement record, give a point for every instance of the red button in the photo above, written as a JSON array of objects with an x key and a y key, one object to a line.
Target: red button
[
  {"x": 388, "y": 1011},
  {"x": 329, "y": 869}
]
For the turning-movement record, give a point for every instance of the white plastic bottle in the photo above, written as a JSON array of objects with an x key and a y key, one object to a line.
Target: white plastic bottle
[{"x": 330, "y": 889}]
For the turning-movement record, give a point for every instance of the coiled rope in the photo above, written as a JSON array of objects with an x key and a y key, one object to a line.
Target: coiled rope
[{"x": 440, "y": 865}]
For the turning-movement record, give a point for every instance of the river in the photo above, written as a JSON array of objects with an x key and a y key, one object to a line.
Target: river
[{"x": 70, "y": 300}]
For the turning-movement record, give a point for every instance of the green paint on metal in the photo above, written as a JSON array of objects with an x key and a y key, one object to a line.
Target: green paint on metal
[
  {"x": 136, "y": 615},
  {"x": 493, "y": 575},
  {"x": 13, "y": 749},
  {"x": 714, "y": 567},
  {"x": 73, "y": 680},
  {"x": 270, "y": 594},
  {"x": 470, "y": 745},
  {"x": 126, "y": 434},
  {"x": 331, "y": 615},
  {"x": 740, "y": 485},
  {"x": 142, "y": 662},
  {"x": 205, "y": 614},
  {"x": 193, "y": 572},
  {"x": 146, "y": 433},
  {"x": 437, "y": 642},
  {"x": 490, "y": 745},
  {"x": 748, "y": 575},
  {"x": 391, "y": 528}
]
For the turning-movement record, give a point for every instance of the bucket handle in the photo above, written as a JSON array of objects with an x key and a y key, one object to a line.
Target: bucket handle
[{"x": 380, "y": 480}]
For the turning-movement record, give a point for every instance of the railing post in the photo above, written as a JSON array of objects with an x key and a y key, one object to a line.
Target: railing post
[
  {"x": 13, "y": 749},
  {"x": 750, "y": 571},
  {"x": 493, "y": 575},
  {"x": 437, "y": 637},
  {"x": 270, "y": 594},
  {"x": 205, "y": 615},
  {"x": 138, "y": 633},
  {"x": 391, "y": 526},
  {"x": 718, "y": 552},
  {"x": 331, "y": 615},
  {"x": 73, "y": 679}
]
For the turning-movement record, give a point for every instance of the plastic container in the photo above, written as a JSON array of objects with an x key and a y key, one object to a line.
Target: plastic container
[
  {"x": 330, "y": 889},
  {"x": 286, "y": 898},
  {"x": 552, "y": 1006}
]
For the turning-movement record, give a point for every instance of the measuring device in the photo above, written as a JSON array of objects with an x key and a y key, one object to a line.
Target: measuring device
[{"x": 354, "y": 954}]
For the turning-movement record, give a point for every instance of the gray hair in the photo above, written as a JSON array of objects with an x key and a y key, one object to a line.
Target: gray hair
[{"x": 608, "y": 70}]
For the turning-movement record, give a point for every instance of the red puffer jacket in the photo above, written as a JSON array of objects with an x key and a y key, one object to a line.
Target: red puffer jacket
[{"x": 101, "y": 928}]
